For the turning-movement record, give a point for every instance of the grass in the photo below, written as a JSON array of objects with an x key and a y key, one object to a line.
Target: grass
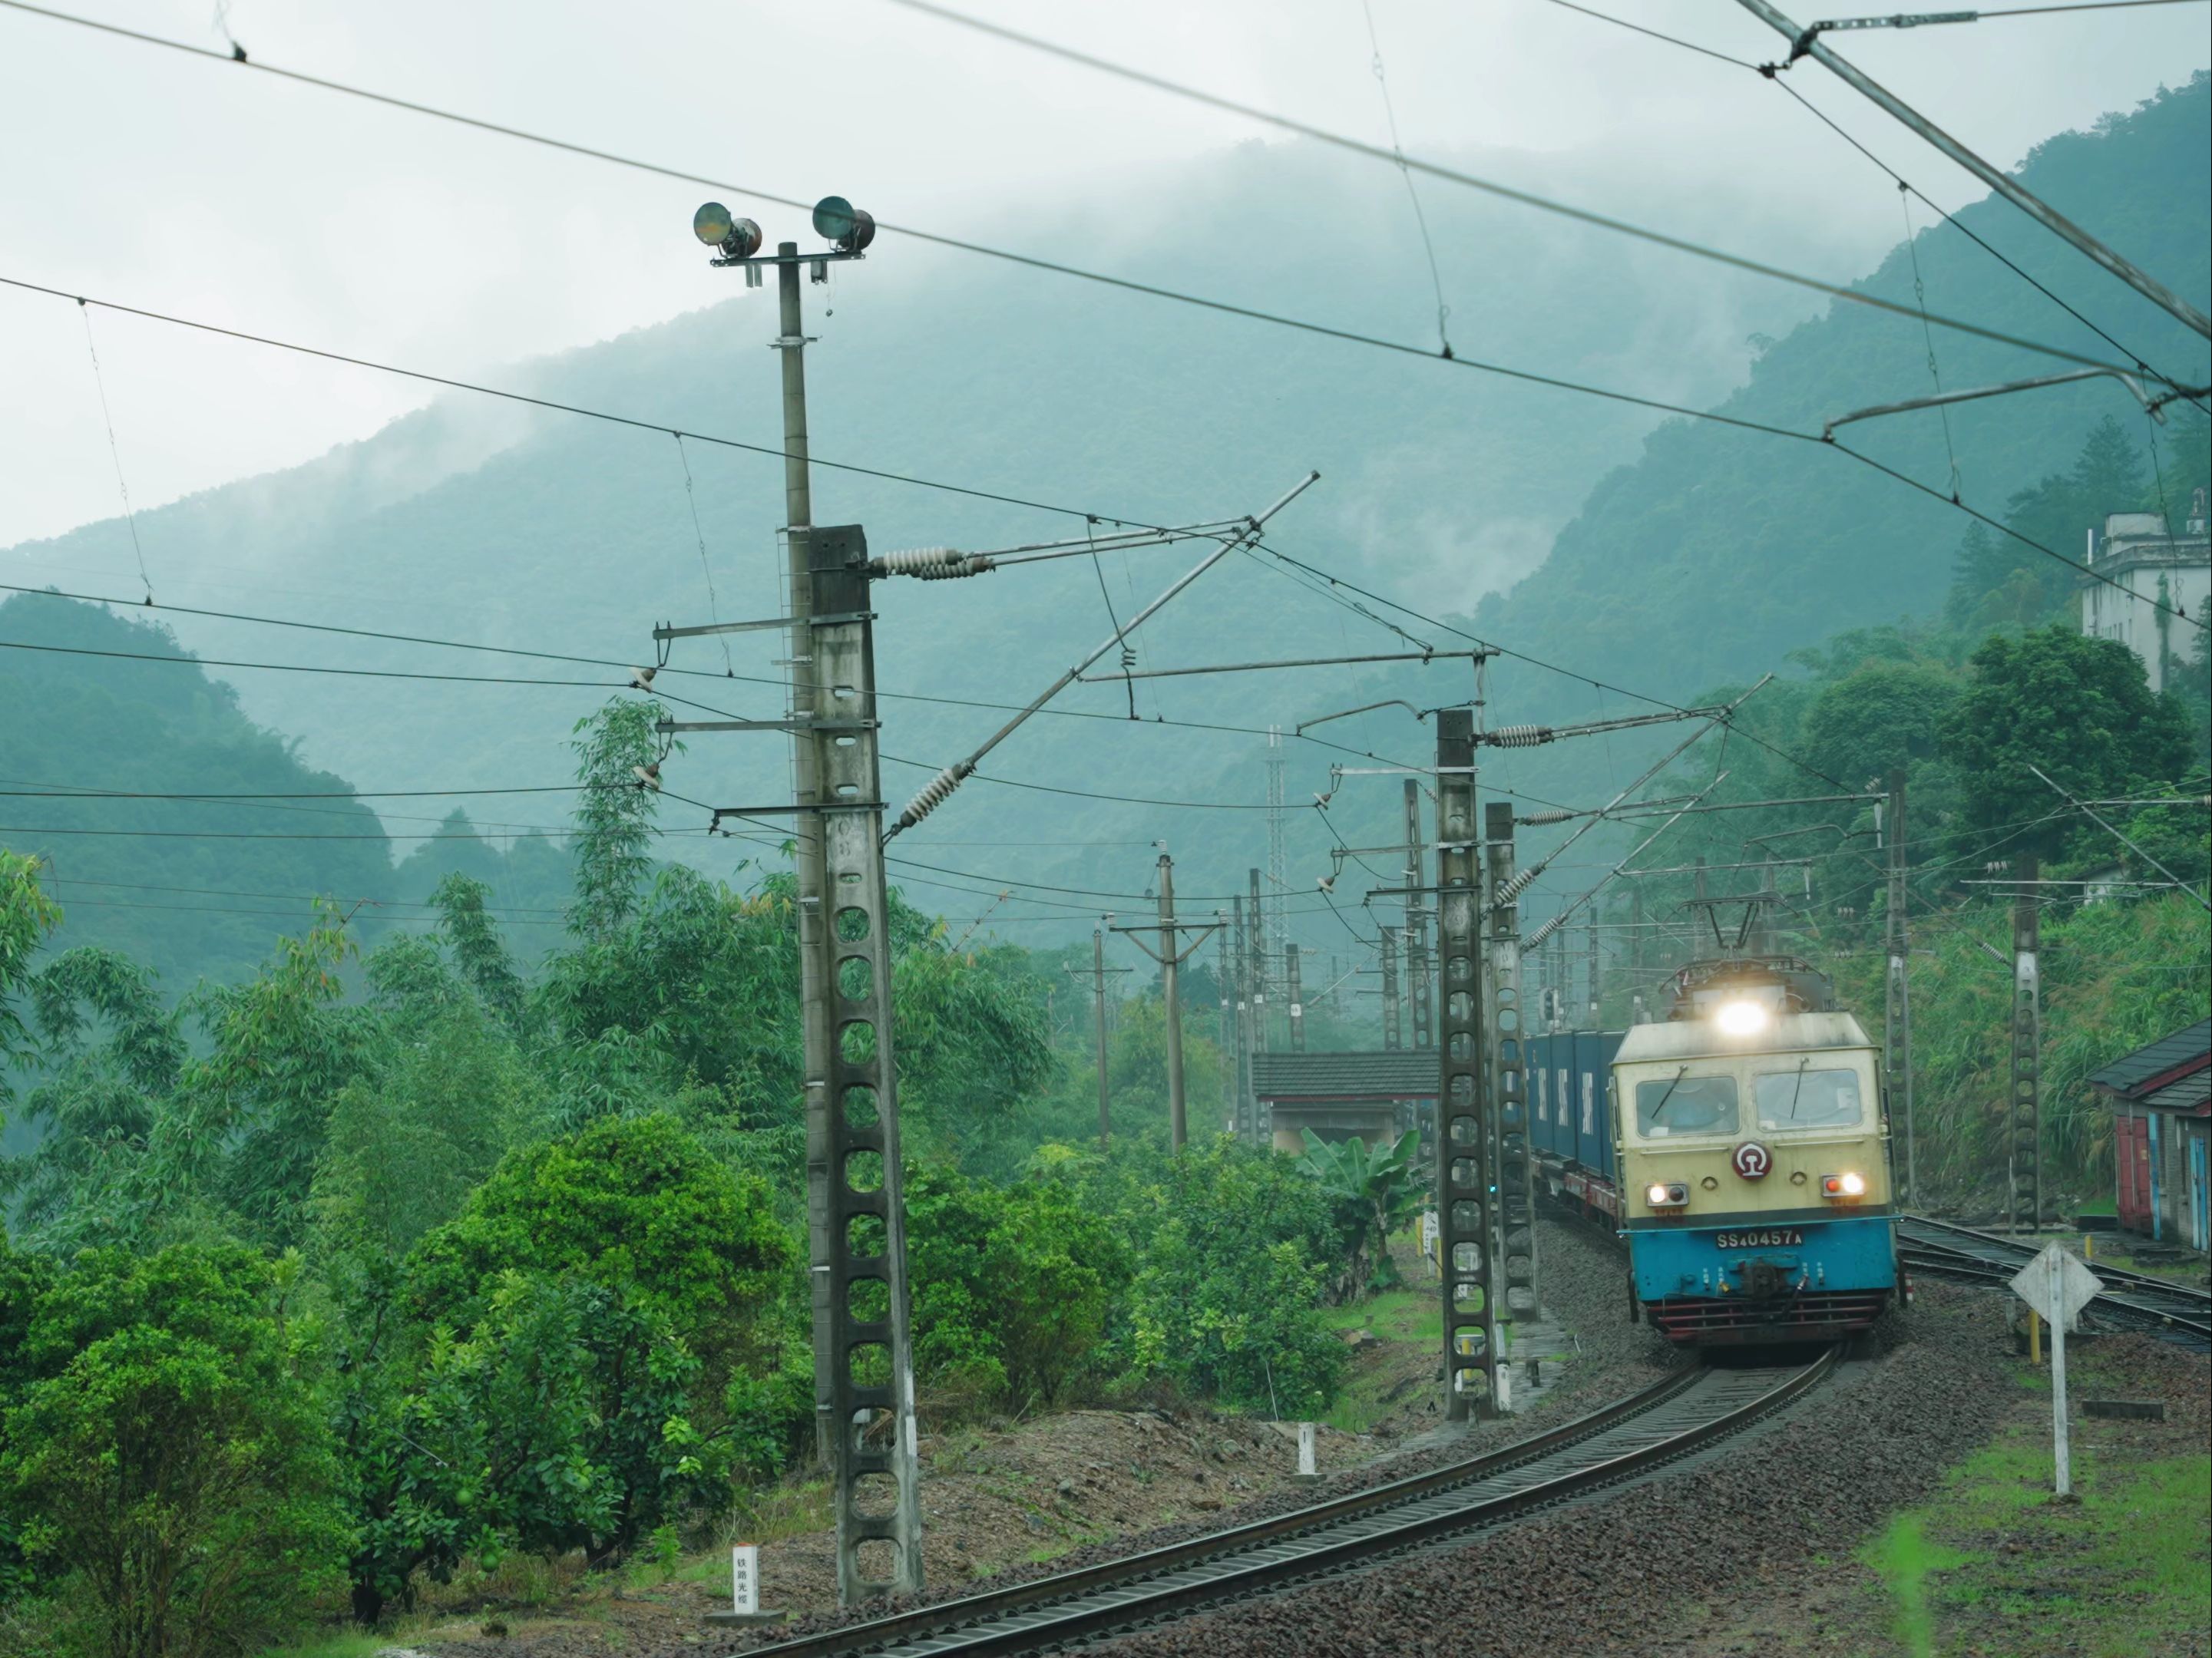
[
  {"x": 1993, "y": 1564},
  {"x": 1411, "y": 1314}
]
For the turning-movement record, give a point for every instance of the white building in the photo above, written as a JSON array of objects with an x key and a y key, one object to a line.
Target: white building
[{"x": 2135, "y": 551}]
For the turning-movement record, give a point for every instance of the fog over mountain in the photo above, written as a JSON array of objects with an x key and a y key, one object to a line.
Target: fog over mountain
[{"x": 1667, "y": 558}]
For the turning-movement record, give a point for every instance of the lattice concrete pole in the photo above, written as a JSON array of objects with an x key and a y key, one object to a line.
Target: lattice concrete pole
[
  {"x": 863, "y": 1354},
  {"x": 1296, "y": 990},
  {"x": 1465, "y": 1154},
  {"x": 2026, "y": 1159},
  {"x": 1417, "y": 924},
  {"x": 1591, "y": 973},
  {"x": 1390, "y": 1030},
  {"x": 1279, "y": 925},
  {"x": 1509, "y": 1090},
  {"x": 1896, "y": 1023}
]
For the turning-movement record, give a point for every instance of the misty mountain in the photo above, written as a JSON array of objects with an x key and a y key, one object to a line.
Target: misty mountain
[{"x": 1663, "y": 557}]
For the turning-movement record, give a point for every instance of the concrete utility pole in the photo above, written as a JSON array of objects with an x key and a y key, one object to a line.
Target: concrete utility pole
[
  {"x": 2025, "y": 1152},
  {"x": 863, "y": 1351},
  {"x": 1296, "y": 995},
  {"x": 1896, "y": 1025},
  {"x": 1390, "y": 1041},
  {"x": 1468, "y": 1154},
  {"x": 1806, "y": 43},
  {"x": 1169, "y": 957},
  {"x": 1229, "y": 1027},
  {"x": 1417, "y": 924},
  {"x": 1279, "y": 865},
  {"x": 1097, "y": 972},
  {"x": 1591, "y": 973},
  {"x": 1171, "y": 953},
  {"x": 1509, "y": 1090}
]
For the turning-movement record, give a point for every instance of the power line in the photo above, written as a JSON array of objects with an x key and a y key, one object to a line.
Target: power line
[
  {"x": 1222, "y": 306},
  {"x": 1453, "y": 175},
  {"x": 451, "y": 384},
  {"x": 1507, "y": 192}
]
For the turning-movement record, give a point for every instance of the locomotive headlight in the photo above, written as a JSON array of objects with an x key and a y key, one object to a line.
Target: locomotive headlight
[
  {"x": 1659, "y": 1195},
  {"x": 1740, "y": 1018},
  {"x": 1855, "y": 1186},
  {"x": 1843, "y": 1185}
]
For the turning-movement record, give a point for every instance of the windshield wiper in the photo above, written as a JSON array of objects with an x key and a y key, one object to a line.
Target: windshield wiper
[
  {"x": 1800, "y": 1086},
  {"x": 1659, "y": 1109}
]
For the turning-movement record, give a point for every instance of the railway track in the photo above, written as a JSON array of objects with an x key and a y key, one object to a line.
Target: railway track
[
  {"x": 1945, "y": 1249},
  {"x": 1675, "y": 1418}
]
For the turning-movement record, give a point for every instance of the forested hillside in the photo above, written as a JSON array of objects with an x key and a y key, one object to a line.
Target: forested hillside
[{"x": 1721, "y": 551}]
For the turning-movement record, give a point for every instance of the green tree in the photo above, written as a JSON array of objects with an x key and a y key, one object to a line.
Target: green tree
[
  {"x": 614, "y": 814},
  {"x": 173, "y": 1461},
  {"x": 1885, "y": 715},
  {"x": 473, "y": 937},
  {"x": 2079, "y": 709},
  {"x": 26, "y": 916},
  {"x": 1011, "y": 1285},
  {"x": 688, "y": 1267},
  {"x": 1374, "y": 1192},
  {"x": 1235, "y": 1251}
]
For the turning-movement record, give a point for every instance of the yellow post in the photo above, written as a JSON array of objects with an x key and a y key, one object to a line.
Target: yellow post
[
  {"x": 2034, "y": 1338},
  {"x": 2088, "y": 1246}
]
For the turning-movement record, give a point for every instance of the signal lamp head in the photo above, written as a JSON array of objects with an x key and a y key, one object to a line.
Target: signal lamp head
[
  {"x": 1740, "y": 1018},
  {"x": 843, "y": 226},
  {"x": 736, "y": 239},
  {"x": 712, "y": 223}
]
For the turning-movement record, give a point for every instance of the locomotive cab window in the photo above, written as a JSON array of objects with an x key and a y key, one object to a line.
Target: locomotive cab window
[
  {"x": 1683, "y": 1104},
  {"x": 1806, "y": 1098}
]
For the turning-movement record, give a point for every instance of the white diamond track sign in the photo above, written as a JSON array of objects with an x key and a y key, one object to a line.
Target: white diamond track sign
[{"x": 2057, "y": 1286}]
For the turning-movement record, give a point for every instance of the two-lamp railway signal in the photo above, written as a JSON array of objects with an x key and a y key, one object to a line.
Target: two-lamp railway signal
[{"x": 863, "y": 1349}]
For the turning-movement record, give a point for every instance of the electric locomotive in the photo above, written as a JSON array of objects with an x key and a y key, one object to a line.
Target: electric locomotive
[{"x": 1742, "y": 1152}]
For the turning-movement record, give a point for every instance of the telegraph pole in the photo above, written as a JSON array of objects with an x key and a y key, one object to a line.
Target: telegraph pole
[
  {"x": 1467, "y": 1155},
  {"x": 1170, "y": 953},
  {"x": 863, "y": 1351},
  {"x": 1897, "y": 1034},
  {"x": 1170, "y": 956},
  {"x": 2024, "y": 1153},
  {"x": 1509, "y": 1088},
  {"x": 1097, "y": 974},
  {"x": 1417, "y": 923},
  {"x": 1296, "y": 995},
  {"x": 1390, "y": 988}
]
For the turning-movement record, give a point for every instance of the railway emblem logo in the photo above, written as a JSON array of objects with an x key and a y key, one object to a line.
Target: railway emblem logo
[{"x": 1753, "y": 1160}]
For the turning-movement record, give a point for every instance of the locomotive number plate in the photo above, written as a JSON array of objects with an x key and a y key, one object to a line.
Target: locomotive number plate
[{"x": 1773, "y": 1237}]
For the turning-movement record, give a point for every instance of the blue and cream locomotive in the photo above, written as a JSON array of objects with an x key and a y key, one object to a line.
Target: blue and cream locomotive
[{"x": 1741, "y": 1148}]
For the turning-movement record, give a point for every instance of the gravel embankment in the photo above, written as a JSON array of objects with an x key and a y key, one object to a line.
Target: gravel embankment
[
  {"x": 1583, "y": 1293},
  {"x": 1599, "y": 1578}
]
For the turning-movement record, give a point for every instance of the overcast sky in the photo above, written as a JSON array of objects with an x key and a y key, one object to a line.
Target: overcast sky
[{"x": 153, "y": 178}]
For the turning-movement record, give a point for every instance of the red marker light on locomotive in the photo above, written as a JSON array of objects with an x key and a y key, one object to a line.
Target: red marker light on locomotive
[{"x": 1843, "y": 1185}]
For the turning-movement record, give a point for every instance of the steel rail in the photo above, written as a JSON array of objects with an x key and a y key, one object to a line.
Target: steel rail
[
  {"x": 1270, "y": 1554},
  {"x": 1999, "y": 1243},
  {"x": 2185, "y": 1315}
]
